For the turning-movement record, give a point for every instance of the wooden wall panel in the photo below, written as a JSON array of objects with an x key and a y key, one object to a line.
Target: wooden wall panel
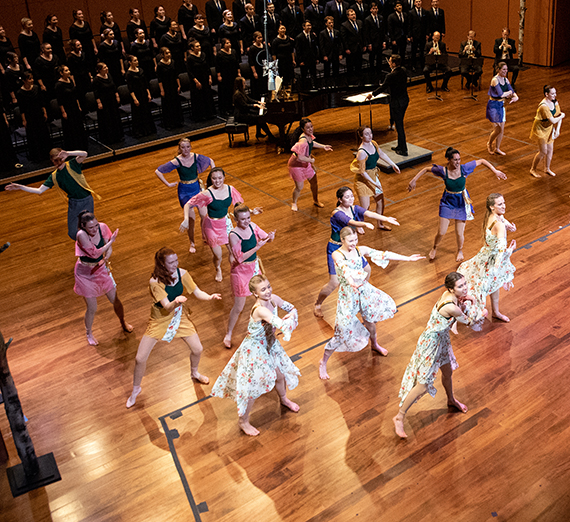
[
  {"x": 561, "y": 44},
  {"x": 489, "y": 27},
  {"x": 457, "y": 22}
]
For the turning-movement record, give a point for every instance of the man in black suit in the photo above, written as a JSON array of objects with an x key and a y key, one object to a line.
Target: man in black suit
[
  {"x": 307, "y": 54},
  {"x": 330, "y": 48},
  {"x": 361, "y": 9},
  {"x": 396, "y": 83},
  {"x": 292, "y": 19},
  {"x": 398, "y": 31},
  {"x": 374, "y": 38},
  {"x": 505, "y": 49},
  {"x": 436, "y": 47},
  {"x": 238, "y": 9},
  {"x": 470, "y": 48},
  {"x": 418, "y": 28},
  {"x": 214, "y": 12},
  {"x": 337, "y": 9},
  {"x": 353, "y": 43},
  {"x": 436, "y": 19},
  {"x": 315, "y": 14},
  {"x": 273, "y": 21},
  {"x": 248, "y": 25}
]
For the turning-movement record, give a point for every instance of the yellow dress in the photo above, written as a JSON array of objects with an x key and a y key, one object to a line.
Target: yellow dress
[
  {"x": 541, "y": 126},
  {"x": 160, "y": 319}
]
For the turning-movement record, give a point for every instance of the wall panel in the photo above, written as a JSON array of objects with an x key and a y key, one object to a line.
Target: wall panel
[{"x": 457, "y": 22}]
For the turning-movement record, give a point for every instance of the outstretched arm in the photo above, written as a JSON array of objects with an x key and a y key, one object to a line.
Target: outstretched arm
[
  {"x": 203, "y": 296},
  {"x": 498, "y": 173},
  {"x": 385, "y": 157},
  {"x": 317, "y": 145},
  {"x": 32, "y": 190},
  {"x": 374, "y": 215},
  {"x": 412, "y": 184}
]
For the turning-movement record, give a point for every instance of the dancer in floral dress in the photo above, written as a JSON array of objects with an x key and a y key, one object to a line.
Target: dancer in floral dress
[
  {"x": 434, "y": 350},
  {"x": 170, "y": 316},
  {"x": 260, "y": 363},
  {"x": 356, "y": 294},
  {"x": 491, "y": 268}
]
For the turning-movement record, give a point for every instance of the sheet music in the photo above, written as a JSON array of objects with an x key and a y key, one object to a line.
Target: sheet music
[{"x": 361, "y": 98}]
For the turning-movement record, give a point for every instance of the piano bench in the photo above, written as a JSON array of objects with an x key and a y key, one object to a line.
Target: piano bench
[{"x": 236, "y": 128}]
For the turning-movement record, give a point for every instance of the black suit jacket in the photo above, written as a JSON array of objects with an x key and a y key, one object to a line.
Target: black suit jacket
[
  {"x": 361, "y": 15},
  {"x": 238, "y": 9},
  {"x": 436, "y": 24},
  {"x": 304, "y": 52},
  {"x": 213, "y": 15},
  {"x": 292, "y": 23},
  {"x": 397, "y": 29},
  {"x": 442, "y": 47},
  {"x": 316, "y": 17},
  {"x": 330, "y": 47},
  {"x": 418, "y": 25},
  {"x": 247, "y": 29},
  {"x": 272, "y": 27},
  {"x": 477, "y": 46},
  {"x": 396, "y": 83},
  {"x": 373, "y": 34},
  {"x": 332, "y": 10},
  {"x": 498, "y": 51},
  {"x": 351, "y": 40}
]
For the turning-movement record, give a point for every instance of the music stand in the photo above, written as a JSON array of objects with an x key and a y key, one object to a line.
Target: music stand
[
  {"x": 471, "y": 63},
  {"x": 436, "y": 60}
]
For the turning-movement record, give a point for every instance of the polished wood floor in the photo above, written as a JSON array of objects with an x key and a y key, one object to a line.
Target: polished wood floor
[{"x": 338, "y": 458}]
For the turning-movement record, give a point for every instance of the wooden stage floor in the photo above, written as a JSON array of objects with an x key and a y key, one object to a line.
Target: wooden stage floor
[{"x": 179, "y": 455}]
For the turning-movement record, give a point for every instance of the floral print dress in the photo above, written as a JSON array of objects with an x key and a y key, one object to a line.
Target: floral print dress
[
  {"x": 251, "y": 371},
  {"x": 350, "y": 335}
]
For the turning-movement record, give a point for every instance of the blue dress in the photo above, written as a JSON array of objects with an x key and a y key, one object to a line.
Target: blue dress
[
  {"x": 339, "y": 220},
  {"x": 455, "y": 202},
  {"x": 495, "y": 112}
]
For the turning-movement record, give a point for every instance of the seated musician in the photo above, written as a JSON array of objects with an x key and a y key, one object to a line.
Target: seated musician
[
  {"x": 505, "y": 49},
  {"x": 470, "y": 48},
  {"x": 245, "y": 110},
  {"x": 436, "y": 47}
]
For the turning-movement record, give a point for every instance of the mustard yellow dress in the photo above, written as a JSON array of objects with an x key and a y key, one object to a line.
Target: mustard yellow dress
[{"x": 542, "y": 127}]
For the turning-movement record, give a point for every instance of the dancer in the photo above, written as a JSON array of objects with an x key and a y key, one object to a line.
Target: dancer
[
  {"x": 188, "y": 167},
  {"x": 365, "y": 167},
  {"x": 170, "y": 316},
  {"x": 93, "y": 277},
  {"x": 499, "y": 91},
  {"x": 491, "y": 268},
  {"x": 216, "y": 224},
  {"x": 357, "y": 295},
  {"x": 455, "y": 203},
  {"x": 69, "y": 179},
  {"x": 434, "y": 350},
  {"x": 546, "y": 128},
  {"x": 345, "y": 214},
  {"x": 260, "y": 363},
  {"x": 245, "y": 240},
  {"x": 301, "y": 162}
]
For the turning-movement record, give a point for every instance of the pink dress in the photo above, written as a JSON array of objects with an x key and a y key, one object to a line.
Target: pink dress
[
  {"x": 301, "y": 170},
  {"x": 242, "y": 270},
  {"x": 215, "y": 226},
  {"x": 93, "y": 278}
]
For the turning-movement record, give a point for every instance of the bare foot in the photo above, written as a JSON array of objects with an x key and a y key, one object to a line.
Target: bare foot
[
  {"x": 219, "y": 276},
  {"x": 377, "y": 348},
  {"x": 247, "y": 428},
  {"x": 550, "y": 173},
  {"x": 535, "y": 174},
  {"x": 489, "y": 148},
  {"x": 399, "y": 426},
  {"x": 317, "y": 312},
  {"x": 294, "y": 207},
  {"x": 323, "y": 371},
  {"x": 294, "y": 407},
  {"x": 133, "y": 398},
  {"x": 192, "y": 248},
  {"x": 127, "y": 327},
  {"x": 91, "y": 340},
  {"x": 459, "y": 405},
  {"x": 432, "y": 254},
  {"x": 460, "y": 257},
  {"x": 501, "y": 317},
  {"x": 227, "y": 342},
  {"x": 318, "y": 204},
  {"x": 500, "y": 152},
  {"x": 202, "y": 379}
]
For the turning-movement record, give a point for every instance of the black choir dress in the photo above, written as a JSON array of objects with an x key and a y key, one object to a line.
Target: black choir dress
[
  {"x": 8, "y": 158},
  {"x": 227, "y": 65},
  {"x": 109, "y": 117},
  {"x": 85, "y": 36},
  {"x": 32, "y": 107},
  {"x": 158, "y": 28},
  {"x": 233, "y": 35},
  {"x": 145, "y": 54},
  {"x": 55, "y": 38},
  {"x": 117, "y": 34},
  {"x": 13, "y": 80},
  {"x": 143, "y": 124},
  {"x": 111, "y": 55},
  {"x": 255, "y": 57},
  {"x": 45, "y": 70},
  {"x": 74, "y": 135},
  {"x": 177, "y": 46},
  {"x": 204, "y": 37},
  {"x": 5, "y": 48},
  {"x": 29, "y": 47},
  {"x": 132, "y": 30},
  {"x": 80, "y": 71},
  {"x": 171, "y": 106},
  {"x": 282, "y": 49},
  {"x": 201, "y": 99}
]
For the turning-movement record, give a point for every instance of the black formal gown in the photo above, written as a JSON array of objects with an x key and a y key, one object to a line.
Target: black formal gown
[
  {"x": 233, "y": 35},
  {"x": 158, "y": 28},
  {"x": 227, "y": 64},
  {"x": 5, "y": 48},
  {"x": 255, "y": 57},
  {"x": 117, "y": 33},
  {"x": 201, "y": 99},
  {"x": 177, "y": 46},
  {"x": 32, "y": 107},
  {"x": 29, "y": 47},
  {"x": 85, "y": 36},
  {"x": 282, "y": 49},
  {"x": 74, "y": 135},
  {"x": 132, "y": 29},
  {"x": 143, "y": 124},
  {"x": 171, "y": 107},
  {"x": 80, "y": 71},
  {"x": 109, "y": 117},
  {"x": 45, "y": 70},
  {"x": 55, "y": 38},
  {"x": 111, "y": 55},
  {"x": 145, "y": 54},
  {"x": 204, "y": 37},
  {"x": 8, "y": 158}
]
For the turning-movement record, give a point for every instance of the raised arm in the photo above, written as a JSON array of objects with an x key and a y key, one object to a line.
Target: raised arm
[
  {"x": 412, "y": 184},
  {"x": 32, "y": 190},
  {"x": 88, "y": 247},
  {"x": 485, "y": 163}
]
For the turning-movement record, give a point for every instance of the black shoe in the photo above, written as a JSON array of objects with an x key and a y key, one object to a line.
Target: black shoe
[
  {"x": 445, "y": 89},
  {"x": 401, "y": 152},
  {"x": 429, "y": 89},
  {"x": 394, "y": 148}
]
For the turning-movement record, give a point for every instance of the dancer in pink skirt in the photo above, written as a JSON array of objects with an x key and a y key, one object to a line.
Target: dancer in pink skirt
[
  {"x": 245, "y": 240},
  {"x": 92, "y": 273},
  {"x": 301, "y": 162},
  {"x": 216, "y": 225}
]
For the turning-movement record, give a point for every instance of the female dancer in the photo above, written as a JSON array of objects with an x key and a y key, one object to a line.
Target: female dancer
[
  {"x": 170, "y": 316},
  {"x": 345, "y": 214},
  {"x": 546, "y": 128},
  {"x": 366, "y": 182},
  {"x": 188, "y": 167},
  {"x": 93, "y": 278},
  {"x": 356, "y": 295},
  {"x": 455, "y": 203},
  {"x": 491, "y": 268},
  {"x": 499, "y": 91},
  {"x": 434, "y": 350},
  {"x": 245, "y": 240},
  {"x": 260, "y": 363},
  {"x": 216, "y": 224},
  {"x": 301, "y": 162}
]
